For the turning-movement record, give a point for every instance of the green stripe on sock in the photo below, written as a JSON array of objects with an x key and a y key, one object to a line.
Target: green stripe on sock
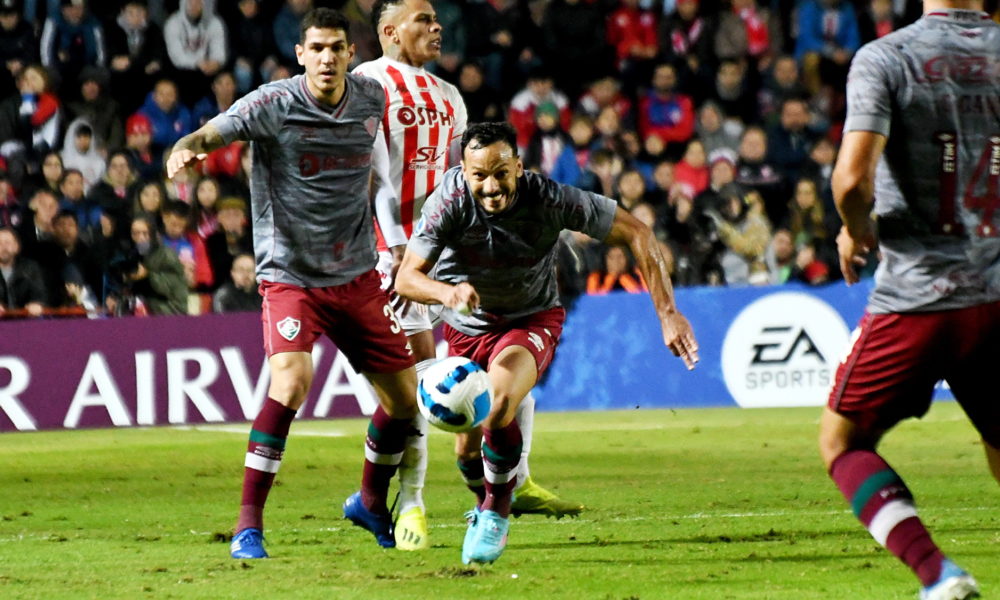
[
  {"x": 373, "y": 434},
  {"x": 870, "y": 487},
  {"x": 498, "y": 459},
  {"x": 267, "y": 439}
]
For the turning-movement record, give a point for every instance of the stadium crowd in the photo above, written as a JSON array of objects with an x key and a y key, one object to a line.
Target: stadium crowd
[{"x": 716, "y": 122}]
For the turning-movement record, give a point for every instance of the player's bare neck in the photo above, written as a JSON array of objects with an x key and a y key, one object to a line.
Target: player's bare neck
[
  {"x": 396, "y": 53},
  {"x": 331, "y": 98},
  {"x": 932, "y": 5}
]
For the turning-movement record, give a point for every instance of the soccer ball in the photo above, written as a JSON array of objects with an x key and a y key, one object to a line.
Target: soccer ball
[{"x": 455, "y": 394}]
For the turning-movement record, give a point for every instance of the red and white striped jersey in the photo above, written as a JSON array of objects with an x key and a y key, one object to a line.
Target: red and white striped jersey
[{"x": 423, "y": 114}]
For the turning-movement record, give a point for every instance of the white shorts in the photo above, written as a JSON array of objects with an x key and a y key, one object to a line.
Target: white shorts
[{"x": 418, "y": 317}]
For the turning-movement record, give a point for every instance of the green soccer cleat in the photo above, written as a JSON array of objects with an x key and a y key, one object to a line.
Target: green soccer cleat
[
  {"x": 411, "y": 530},
  {"x": 533, "y": 499}
]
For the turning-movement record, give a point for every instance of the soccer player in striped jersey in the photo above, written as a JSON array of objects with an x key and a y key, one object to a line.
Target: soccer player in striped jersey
[
  {"x": 313, "y": 140},
  {"x": 423, "y": 124},
  {"x": 921, "y": 150},
  {"x": 488, "y": 234}
]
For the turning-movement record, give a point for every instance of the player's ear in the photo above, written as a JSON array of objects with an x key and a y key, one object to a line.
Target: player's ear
[
  {"x": 350, "y": 51},
  {"x": 299, "y": 51},
  {"x": 387, "y": 32},
  {"x": 519, "y": 168}
]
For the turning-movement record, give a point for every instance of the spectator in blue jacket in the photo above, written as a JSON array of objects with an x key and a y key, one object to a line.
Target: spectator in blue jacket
[
  {"x": 86, "y": 210},
  {"x": 286, "y": 28},
  {"x": 72, "y": 40},
  {"x": 828, "y": 38},
  {"x": 170, "y": 119}
]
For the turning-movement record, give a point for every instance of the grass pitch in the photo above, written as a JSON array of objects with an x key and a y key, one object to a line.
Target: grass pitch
[{"x": 699, "y": 504}]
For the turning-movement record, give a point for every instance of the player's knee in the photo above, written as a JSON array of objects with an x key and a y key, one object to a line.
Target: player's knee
[
  {"x": 831, "y": 445},
  {"x": 289, "y": 386},
  {"x": 290, "y": 393},
  {"x": 502, "y": 411}
]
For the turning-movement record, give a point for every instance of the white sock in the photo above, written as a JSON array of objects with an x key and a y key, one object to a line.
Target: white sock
[
  {"x": 525, "y": 416},
  {"x": 413, "y": 468}
]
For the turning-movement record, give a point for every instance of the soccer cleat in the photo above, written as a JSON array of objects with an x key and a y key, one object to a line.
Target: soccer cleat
[
  {"x": 248, "y": 543},
  {"x": 488, "y": 539},
  {"x": 533, "y": 499},
  {"x": 470, "y": 517},
  {"x": 410, "y": 530},
  {"x": 379, "y": 525},
  {"x": 953, "y": 584}
]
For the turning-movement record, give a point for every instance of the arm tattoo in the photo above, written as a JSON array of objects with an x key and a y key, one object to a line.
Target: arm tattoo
[{"x": 204, "y": 140}]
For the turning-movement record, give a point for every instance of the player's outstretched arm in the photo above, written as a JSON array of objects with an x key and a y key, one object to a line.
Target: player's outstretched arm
[
  {"x": 193, "y": 148},
  {"x": 677, "y": 333},
  {"x": 853, "y": 184},
  {"x": 413, "y": 282}
]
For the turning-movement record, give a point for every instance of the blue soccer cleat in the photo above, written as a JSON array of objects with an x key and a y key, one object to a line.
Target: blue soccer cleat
[
  {"x": 952, "y": 584},
  {"x": 488, "y": 539},
  {"x": 379, "y": 525},
  {"x": 248, "y": 543},
  {"x": 470, "y": 517}
]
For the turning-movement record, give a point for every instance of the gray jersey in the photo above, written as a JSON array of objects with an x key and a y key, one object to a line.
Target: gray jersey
[
  {"x": 934, "y": 89},
  {"x": 508, "y": 257},
  {"x": 309, "y": 188}
]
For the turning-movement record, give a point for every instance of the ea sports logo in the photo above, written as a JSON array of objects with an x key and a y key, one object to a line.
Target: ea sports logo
[{"x": 783, "y": 350}]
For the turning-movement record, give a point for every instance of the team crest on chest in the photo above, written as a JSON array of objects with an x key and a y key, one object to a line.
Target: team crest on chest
[
  {"x": 289, "y": 328},
  {"x": 371, "y": 125}
]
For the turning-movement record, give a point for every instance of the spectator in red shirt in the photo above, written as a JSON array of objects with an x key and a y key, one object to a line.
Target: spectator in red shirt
[
  {"x": 632, "y": 33},
  {"x": 540, "y": 89},
  {"x": 665, "y": 113},
  {"x": 40, "y": 108},
  {"x": 602, "y": 93},
  {"x": 692, "y": 171}
]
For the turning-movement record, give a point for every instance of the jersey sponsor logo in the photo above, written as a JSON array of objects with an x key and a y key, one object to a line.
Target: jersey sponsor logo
[
  {"x": 311, "y": 164},
  {"x": 247, "y": 106},
  {"x": 962, "y": 69},
  {"x": 409, "y": 116},
  {"x": 426, "y": 157},
  {"x": 536, "y": 341},
  {"x": 782, "y": 350},
  {"x": 289, "y": 328}
]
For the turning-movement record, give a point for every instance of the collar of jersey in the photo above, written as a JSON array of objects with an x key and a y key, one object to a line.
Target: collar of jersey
[
  {"x": 402, "y": 65},
  {"x": 330, "y": 108},
  {"x": 958, "y": 13}
]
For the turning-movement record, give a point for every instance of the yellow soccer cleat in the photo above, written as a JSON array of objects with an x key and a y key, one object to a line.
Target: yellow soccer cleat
[
  {"x": 411, "y": 530},
  {"x": 533, "y": 499}
]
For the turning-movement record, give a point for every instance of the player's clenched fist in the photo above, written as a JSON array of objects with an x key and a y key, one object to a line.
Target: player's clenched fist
[{"x": 463, "y": 298}]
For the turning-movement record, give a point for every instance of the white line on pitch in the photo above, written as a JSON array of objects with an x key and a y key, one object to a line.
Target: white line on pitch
[{"x": 245, "y": 430}]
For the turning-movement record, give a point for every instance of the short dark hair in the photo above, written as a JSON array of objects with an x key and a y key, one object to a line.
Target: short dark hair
[
  {"x": 178, "y": 208},
  {"x": 84, "y": 129},
  {"x": 481, "y": 135},
  {"x": 380, "y": 7},
  {"x": 68, "y": 172},
  {"x": 66, "y": 214},
  {"x": 324, "y": 18}
]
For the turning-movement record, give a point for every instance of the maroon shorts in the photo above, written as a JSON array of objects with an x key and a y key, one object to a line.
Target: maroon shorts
[
  {"x": 897, "y": 359},
  {"x": 356, "y": 316},
  {"x": 539, "y": 333}
]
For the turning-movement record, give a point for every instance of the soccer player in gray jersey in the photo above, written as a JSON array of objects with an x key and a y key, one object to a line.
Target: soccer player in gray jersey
[
  {"x": 490, "y": 230},
  {"x": 312, "y": 138},
  {"x": 410, "y": 35},
  {"x": 922, "y": 146}
]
